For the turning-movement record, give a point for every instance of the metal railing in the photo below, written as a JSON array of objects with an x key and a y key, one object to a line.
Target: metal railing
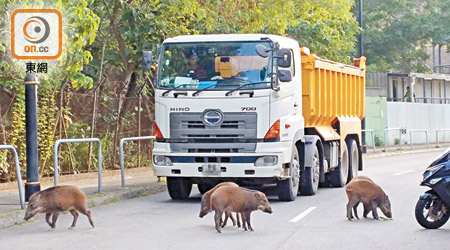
[
  {"x": 416, "y": 131},
  {"x": 122, "y": 160},
  {"x": 437, "y": 135},
  {"x": 432, "y": 100},
  {"x": 373, "y": 137},
  {"x": 386, "y": 136},
  {"x": 18, "y": 175},
  {"x": 55, "y": 156}
]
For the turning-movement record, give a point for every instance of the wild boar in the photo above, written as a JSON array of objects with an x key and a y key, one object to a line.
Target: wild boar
[
  {"x": 205, "y": 206},
  {"x": 236, "y": 199},
  {"x": 363, "y": 189},
  {"x": 54, "y": 200}
]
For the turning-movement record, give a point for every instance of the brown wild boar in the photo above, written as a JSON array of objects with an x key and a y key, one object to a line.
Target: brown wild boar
[
  {"x": 236, "y": 199},
  {"x": 205, "y": 206},
  {"x": 363, "y": 189},
  {"x": 54, "y": 200}
]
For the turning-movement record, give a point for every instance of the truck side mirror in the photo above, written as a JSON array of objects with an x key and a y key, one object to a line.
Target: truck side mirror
[
  {"x": 147, "y": 60},
  {"x": 284, "y": 58},
  {"x": 284, "y": 75}
]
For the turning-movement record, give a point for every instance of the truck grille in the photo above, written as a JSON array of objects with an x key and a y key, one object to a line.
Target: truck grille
[{"x": 237, "y": 133}]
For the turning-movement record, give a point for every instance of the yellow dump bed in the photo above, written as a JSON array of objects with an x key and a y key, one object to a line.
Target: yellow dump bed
[{"x": 332, "y": 92}]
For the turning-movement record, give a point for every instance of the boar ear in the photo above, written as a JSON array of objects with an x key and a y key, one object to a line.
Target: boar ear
[{"x": 259, "y": 196}]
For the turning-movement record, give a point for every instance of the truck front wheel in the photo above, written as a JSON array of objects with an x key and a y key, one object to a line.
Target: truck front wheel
[
  {"x": 338, "y": 177},
  {"x": 309, "y": 178},
  {"x": 288, "y": 189},
  {"x": 179, "y": 188},
  {"x": 353, "y": 159}
]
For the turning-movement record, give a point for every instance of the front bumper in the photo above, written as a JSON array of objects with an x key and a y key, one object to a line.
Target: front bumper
[{"x": 231, "y": 165}]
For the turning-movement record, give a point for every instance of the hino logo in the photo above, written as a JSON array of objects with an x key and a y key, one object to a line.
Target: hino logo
[
  {"x": 187, "y": 109},
  {"x": 212, "y": 117}
]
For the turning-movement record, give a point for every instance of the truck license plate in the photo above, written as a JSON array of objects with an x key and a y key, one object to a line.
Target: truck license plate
[{"x": 212, "y": 169}]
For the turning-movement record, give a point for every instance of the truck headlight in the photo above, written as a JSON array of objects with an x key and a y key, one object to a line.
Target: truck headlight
[
  {"x": 266, "y": 161},
  {"x": 162, "y": 160}
]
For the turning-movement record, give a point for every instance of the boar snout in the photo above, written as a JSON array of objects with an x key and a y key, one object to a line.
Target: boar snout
[
  {"x": 268, "y": 210},
  {"x": 29, "y": 215},
  {"x": 32, "y": 210},
  {"x": 202, "y": 214}
]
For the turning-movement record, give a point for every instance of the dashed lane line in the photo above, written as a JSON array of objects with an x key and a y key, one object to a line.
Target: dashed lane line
[
  {"x": 404, "y": 172},
  {"x": 303, "y": 214}
]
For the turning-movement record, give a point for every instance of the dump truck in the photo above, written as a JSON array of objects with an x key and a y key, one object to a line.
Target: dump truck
[{"x": 258, "y": 110}]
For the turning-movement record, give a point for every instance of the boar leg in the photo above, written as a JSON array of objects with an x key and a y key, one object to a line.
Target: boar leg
[
  {"x": 223, "y": 222},
  {"x": 355, "y": 210},
  {"x": 244, "y": 223},
  {"x": 350, "y": 205},
  {"x": 367, "y": 209},
  {"x": 374, "y": 210},
  {"x": 54, "y": 218},
  {"x": 217, "y": 218},
  {"x": 232, "y": 219},
  {"x": 228, "y": 215},
  {"x": 247, "y": 219},
  {"x": 75, "y": 218},
  {"x": 47, "y": 218},
  {"x": 83, "y": 210},
  {"x": 237, "y": 220}
]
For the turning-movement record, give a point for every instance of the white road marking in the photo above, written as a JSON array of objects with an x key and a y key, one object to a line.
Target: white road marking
[
  {"x": 404, "y": 172},
  {"x": 303, "y": 214}
]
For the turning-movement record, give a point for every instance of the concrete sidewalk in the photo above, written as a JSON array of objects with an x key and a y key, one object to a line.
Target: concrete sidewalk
[{"x": 138, "y": 181}]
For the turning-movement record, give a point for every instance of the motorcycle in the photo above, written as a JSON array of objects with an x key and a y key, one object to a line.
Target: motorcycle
[{"x": 432, "y": 208}]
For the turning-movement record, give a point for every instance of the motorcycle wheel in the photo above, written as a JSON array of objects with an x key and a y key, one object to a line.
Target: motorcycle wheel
[{"x": 425, "y": 216}]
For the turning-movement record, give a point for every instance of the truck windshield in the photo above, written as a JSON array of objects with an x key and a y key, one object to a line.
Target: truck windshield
[{"x": 214, "y": 66}]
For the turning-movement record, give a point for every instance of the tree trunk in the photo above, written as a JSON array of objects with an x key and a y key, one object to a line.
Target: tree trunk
[{"x": 123, "y": 104}]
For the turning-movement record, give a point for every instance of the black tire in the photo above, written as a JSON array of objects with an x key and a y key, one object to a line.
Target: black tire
[
  {"x": 288, "y": 189},
  {"x": 203, "y": 187},
  {"x": 179, "y": 188},
  {"x": 338, "y": 177},
  {"x": 353, "y": 159},
  {"x": 422, "y": 213},
  {"x": 309, "y": 178}
]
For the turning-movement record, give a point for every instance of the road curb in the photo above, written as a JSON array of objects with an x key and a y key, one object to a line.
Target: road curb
[{"x": 95, "y": 200}]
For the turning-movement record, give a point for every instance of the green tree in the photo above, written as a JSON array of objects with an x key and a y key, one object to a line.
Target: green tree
[
  {"x": 327, "y": 27},
  {"x": 397, "y": 33},
  {"x": 79, "y": 26}
]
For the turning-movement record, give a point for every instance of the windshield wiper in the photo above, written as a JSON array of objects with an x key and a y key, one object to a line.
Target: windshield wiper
[
  {"x": 177, "y": 87},
  {"x": 200, "y": 90},
  {"x": 243, "y": 86}
]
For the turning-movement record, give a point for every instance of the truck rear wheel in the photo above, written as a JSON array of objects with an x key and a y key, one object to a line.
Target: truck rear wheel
[
  {"x": 179, "y": 188},
  {"x": 353, "y": 159},
  {"x": 338, "y": 177},
  {"x": 288, "y": 189},
  {"x": 309, "y": 178}
]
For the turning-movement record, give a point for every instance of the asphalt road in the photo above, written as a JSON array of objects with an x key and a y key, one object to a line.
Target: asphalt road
[{"x": 315, "y": 222}]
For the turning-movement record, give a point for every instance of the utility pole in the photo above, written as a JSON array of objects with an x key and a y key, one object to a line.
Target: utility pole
[
  {"x": 360, "y": 20},
  {"x": 361, "y": 53},
  {"x": 32, "y": 185}
]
